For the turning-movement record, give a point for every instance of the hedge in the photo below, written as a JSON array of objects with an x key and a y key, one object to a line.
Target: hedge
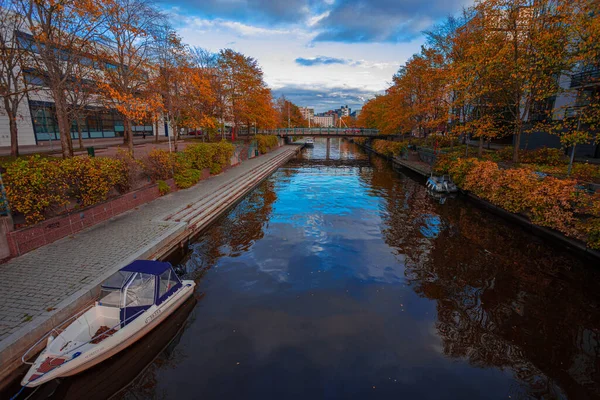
[
  {"x": 547, "y": 201},
  {"x": 36, "y": 185},
  {"x": 266, "y": 143}
]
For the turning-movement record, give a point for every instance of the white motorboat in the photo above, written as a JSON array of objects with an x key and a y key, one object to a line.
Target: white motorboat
[
  {"x": 309, "y": 141},
  {"x": 132, "y": 302},
  {"x": 441, "y": 184}
]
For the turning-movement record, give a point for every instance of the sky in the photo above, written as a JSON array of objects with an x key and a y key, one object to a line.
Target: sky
[{"x": 318, "y": 53}]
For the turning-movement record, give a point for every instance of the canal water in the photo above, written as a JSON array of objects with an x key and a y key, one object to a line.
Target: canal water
[{"x": 340, "y": 277}]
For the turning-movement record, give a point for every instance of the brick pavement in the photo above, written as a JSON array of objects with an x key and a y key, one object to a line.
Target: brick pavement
[{"x": 38, "y": 284}]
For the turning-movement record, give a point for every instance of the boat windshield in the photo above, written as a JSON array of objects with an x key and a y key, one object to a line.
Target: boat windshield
[{"x": 110, "y": 295}]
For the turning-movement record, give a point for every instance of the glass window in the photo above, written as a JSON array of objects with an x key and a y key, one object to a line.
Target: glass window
[
  {"x": 44, "y": 122},
  {"x": 168, "y": 279},
  {"x": 140, "y": 291}
]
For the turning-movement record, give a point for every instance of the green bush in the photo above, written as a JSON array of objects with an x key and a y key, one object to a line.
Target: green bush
[
  {"x": 200, "y": 155},
  {"x": 33, "y": 186},
  {"x": 543, "y": 155},
  {"x": 187, "y": 178},
  {"x": 163, "y": 188},
  {"x": 585, "y": 172},
  {"x": 36, "y": 185},
  {"x": 90, "y": 179},
  {"x": 266, "y": 143},
  {"x": 388, "y": 148},
  {"x": 159, "y": 164},
  {"x": 221, "y": 157}
]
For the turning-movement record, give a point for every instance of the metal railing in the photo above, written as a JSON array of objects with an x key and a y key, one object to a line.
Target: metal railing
[{"x": 345, "y": 132}]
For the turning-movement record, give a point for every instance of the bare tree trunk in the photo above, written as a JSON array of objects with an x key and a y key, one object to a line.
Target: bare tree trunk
[
  {"x": 64, "y": 128},
  {"x": 79, "y": 135},
  {"x": 14, "y": 137},
  {"x": 156, "y": 131},
  {"x": 127, "y": 135},
  {"x": 480, "y": 149},
  {"x": 175, "y": 136},
  {"x": 517, "y": 143}
]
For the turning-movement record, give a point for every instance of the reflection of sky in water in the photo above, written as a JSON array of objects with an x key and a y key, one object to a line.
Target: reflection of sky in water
[{"x": 316, "y": 302}]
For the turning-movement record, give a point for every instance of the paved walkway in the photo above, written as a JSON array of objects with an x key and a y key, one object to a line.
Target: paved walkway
[{"x": 39, "y": 284}]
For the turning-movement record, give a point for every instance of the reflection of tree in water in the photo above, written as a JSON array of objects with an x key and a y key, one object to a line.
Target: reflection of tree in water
[
  {"x": 504, "y": 298},
  {"x": 407, "y": 213},
  {"x": 237, "y": 231}
]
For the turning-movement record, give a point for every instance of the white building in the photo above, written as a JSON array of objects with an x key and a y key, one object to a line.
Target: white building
[
  {"x": 307, "y": 113},
  {"x": 36, "y": 119},
  {"x": 326, "y": 121}
]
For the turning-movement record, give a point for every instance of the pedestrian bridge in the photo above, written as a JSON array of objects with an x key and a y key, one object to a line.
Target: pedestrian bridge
[{"x": 324, "y": 132}]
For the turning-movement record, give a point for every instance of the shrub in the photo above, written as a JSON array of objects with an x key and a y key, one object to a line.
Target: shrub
[
  {"x": 266, "y": 143},
  {"x": 585, "y": 172},
  {"x": 506, "y": 153},
  {"x": 543, "y": 155},
  {"x": 360, "y": 140},
  {"x": 133, "y": 170},
  {"x": 159, "y": 164},
  {"x": 163, "y": 188},
  {"x": 549, "y": 201},
  {"x": 90, "y": 179},
  {"x": 187, "y": 178},
  {"x": 222, "y": 155},
  {"x": 388, "y": 148},
  {"x": 33, "y": 186},
  {"x": 200, "y": 155}
]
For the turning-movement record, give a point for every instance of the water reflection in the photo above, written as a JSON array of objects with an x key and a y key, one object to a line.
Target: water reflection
[
  {"x": 342, "y": 278},
  {"x": 504, "y": 298}
]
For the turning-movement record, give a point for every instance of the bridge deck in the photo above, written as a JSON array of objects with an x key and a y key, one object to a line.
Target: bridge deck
[{"x": 324, "y": 132}]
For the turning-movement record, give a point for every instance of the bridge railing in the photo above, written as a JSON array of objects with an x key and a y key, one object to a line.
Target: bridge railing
[{"x": 346, "y": 132}]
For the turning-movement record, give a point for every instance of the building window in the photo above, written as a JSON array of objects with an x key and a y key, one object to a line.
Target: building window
[
  {"x": 44, "y": 121},
  {"x": 97, "y": 123}
]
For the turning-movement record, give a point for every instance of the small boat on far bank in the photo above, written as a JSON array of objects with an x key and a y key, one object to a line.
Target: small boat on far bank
[
  {"x": 309, "y": 142},
  {"x": 133, "y": 301},
  {"x": 441, "y": 184}
]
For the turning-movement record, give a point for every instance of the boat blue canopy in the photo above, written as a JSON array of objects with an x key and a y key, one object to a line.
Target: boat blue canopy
[{"x": 147, "y": 267}]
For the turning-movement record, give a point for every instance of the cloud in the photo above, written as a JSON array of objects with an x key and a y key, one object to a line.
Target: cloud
[
  {"x": 249, "y": 11},
  {"x": 323, "y": 98},
  {"x": 349, "y": 21},
  {"x": 382, "y": 20},
  {"x": 324, "y": 60}
]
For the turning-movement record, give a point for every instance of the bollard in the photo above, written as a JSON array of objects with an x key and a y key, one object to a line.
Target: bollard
[{"x": 91, "y": 151}]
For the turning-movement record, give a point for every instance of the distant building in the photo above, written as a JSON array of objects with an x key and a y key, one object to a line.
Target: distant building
[
  {"x": 307, "y": 113},
  {"x": 355, "y": 114},
  {"x": 325, "y": 121},
  {"x": 343, "y": 111}
]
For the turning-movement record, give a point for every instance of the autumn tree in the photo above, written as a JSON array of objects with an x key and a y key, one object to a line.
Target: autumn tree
[
  {"x": 62, "y": 35},
  {"x": 527, "y": 53},
  {"x": 288, "y": 114},
  {"x": 174, "y": 67},
  {"x": 125, "y": 61},
  {"x": 246, "y": 96},
  {"x": 581, "y": 123},
  {"x": 12, "y": 80}
]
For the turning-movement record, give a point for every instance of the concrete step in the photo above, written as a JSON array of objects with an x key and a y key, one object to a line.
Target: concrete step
[
  {"x": 203, "y": 218},
  {"x": 191, "y": 210},
  {"x": 233, "y": 190}
]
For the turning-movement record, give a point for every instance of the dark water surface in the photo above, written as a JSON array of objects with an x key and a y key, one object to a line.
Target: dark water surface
[{"x": 344, "y": 279}]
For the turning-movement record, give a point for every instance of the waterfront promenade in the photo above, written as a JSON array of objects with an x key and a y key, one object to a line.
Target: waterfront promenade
[{"x": 45, "y": 286}]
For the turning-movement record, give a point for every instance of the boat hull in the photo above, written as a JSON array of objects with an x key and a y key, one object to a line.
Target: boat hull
[{"x": 146, "y": 322}]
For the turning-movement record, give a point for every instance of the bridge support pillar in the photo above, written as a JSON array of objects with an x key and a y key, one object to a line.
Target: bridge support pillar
[{"x": 328, "y": 147}]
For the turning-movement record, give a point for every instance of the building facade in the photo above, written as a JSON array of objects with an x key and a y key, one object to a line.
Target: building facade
[
  {"x": 307, "y": 113},
  {"x": 325, "y": 121},
  {"x": 36, "y": 116}
]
